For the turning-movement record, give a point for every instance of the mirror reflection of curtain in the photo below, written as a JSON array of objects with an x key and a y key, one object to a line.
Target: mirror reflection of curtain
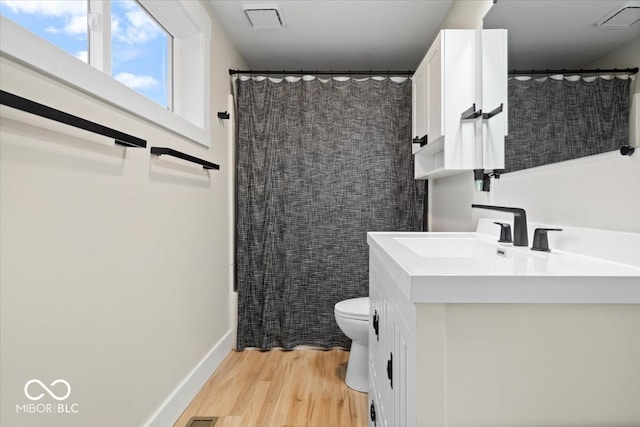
[
  {"x": 319, "y": 165},
  {"x": 559, "y": 118}
]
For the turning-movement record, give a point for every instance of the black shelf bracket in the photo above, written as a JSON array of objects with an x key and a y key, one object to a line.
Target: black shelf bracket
[
  {"x": 471, "y": 113},
  {"x": 495, "y": 112},
  {"x": 161, "y": 151},
  {"x": 23, "y": 104},
  {"x": 223, "y": 115}
]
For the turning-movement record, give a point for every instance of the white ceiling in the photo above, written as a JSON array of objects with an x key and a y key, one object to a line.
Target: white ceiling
[
  {"x": 336, "y": 35},
  {"x": 556, "y": 34},
  {"x": 395, "y": 34}
]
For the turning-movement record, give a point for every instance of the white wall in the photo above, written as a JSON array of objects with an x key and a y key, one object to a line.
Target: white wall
[
  {"x": 626, "y": 56},
  {"x": 600, "y": 191},
  {"x": 114, "y": 266}
]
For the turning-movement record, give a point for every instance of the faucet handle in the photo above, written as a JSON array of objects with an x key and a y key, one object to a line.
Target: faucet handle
[
  {"x": 540, "y": 241},
  {"x": 505, "y": 232}
]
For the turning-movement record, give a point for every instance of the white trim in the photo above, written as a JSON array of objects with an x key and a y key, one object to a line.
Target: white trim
[
  {"x": 171, "y": 409},
  {"x": 193, "y": 123},
  {"x": 99, "y": 54}
]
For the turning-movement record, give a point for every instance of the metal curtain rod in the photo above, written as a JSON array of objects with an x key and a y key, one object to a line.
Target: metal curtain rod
[
  {"x": 324, "y": 72},
  {"x": 580, "y": 71}
]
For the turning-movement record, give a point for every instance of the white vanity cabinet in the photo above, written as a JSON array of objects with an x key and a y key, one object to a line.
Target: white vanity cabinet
[
  {"x": 391, "y": 346},
  {"x": 460, "y": 69},
  {"x": 471, "y": 332}
]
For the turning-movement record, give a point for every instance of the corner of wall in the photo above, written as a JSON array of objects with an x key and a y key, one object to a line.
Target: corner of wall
[{"x": 466, "y": 14}]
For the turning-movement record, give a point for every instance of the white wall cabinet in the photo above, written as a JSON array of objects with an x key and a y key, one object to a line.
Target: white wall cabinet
[
  {"x": 462, "y": 69},
  {"x": 419, "y": 106}
]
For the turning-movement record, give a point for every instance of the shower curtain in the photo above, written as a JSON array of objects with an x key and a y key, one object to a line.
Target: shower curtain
[
  {"x": 559, "y": 118},
  {"x": 319, "y": 164}
]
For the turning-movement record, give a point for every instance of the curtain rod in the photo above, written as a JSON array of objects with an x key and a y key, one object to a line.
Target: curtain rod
[
  {"x": 324, "y": 72},
  {"x": 580, "y": 71}
]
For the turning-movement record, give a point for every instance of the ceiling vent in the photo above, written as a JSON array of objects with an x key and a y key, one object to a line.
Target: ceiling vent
[
  {"x": 623, "y": 16},
  {"x": 264, "y": 16}
]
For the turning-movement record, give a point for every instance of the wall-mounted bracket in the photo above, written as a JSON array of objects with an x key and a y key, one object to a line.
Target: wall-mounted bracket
[
  {"x": 223, "y": 115},
  {"x": 32, "y": 107},
  {"x": 496, "y": 111},
  {"x": 471, "y": 113},
  {"x": 161, "y": 151}
]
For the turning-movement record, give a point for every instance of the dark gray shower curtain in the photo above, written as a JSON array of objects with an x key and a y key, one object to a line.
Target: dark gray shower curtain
[
  {"x": 556, "y": 120},
  {"x": 319, "y": 165}
]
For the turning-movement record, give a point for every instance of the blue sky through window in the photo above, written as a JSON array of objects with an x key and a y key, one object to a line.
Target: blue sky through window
[
  {"x": 139, "y": 51},
  {"x": 140, "y": 47}
]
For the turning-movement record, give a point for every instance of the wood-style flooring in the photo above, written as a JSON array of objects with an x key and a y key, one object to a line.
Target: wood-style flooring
[{"x": 301, "y": 388}]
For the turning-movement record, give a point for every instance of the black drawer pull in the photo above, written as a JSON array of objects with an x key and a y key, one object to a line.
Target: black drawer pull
[
  {"x": 390, "y": 369},
  {"x": 376, "y": 323},
  {"x": 422, "y": 141}
]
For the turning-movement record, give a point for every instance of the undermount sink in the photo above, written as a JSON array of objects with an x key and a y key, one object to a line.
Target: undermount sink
[
  {"x": 584, "y": 265},
  {"x": 452, "y": 246}
]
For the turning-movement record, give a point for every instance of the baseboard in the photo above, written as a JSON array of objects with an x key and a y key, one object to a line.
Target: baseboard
[{"x": 171, "y": 409}]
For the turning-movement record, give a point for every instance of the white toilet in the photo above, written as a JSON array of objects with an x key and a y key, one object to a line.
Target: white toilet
[{"x": 352, "y": 316}]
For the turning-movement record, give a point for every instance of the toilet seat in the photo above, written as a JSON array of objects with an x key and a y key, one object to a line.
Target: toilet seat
[{"x": 355, "y": 308}]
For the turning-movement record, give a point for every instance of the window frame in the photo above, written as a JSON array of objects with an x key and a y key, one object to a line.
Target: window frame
[{"x": 189, "y": 24}]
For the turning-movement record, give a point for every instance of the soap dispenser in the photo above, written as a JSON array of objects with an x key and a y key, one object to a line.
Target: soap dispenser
[{"x": 481, "y": 180}]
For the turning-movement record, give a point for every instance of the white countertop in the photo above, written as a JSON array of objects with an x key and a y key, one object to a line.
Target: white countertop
[{"x": 474, "y": 267}]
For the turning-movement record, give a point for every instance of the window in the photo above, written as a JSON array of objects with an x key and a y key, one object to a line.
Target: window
[
  {"x": 140, "y": 51},
  {"x": 63, "y": 23},
  {"x": 157, "y": 49}
]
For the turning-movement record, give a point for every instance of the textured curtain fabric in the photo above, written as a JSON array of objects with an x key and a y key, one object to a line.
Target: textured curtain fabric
[
  {"x": 319, "y": 165},
  {"x": 556, "y": 120}
]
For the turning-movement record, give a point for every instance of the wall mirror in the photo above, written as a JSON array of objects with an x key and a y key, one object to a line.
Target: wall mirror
[{"x": 565, "y": 35}]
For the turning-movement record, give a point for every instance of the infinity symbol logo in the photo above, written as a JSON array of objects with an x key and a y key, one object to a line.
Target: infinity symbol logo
[{"x": 52, "y": 394}]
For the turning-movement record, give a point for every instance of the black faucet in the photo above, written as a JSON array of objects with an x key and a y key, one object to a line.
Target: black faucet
[{"x": 520, "y": 237}]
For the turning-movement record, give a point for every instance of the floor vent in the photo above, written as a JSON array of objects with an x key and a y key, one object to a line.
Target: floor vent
[{"x": 202, "y": 422}]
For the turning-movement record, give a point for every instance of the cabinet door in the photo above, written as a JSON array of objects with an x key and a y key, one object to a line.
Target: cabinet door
[
  {"x": 459, "y": 95},
  {"x": 385, "y": 391},
  {"x": 434, "y": 90},
  {"x": 494, "y": 94},
  {"x": 378, "y": 347},
  {"x": 391, "y": 361},
  {"x": 403, "y": 373},
  {"x": 419, "y": 101}
]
